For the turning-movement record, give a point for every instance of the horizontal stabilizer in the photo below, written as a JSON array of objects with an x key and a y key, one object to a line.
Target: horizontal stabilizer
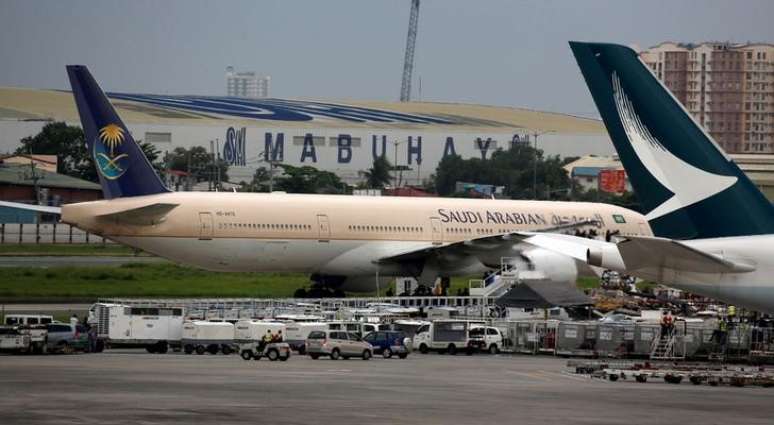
[
  {"x": 30, "y": 207},
  {"x": 145, "y": 215},
  {"x": 642, "y": 252}
]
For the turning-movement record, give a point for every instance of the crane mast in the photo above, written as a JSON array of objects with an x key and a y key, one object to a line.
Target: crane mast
[{"x": 408, "y": 61}]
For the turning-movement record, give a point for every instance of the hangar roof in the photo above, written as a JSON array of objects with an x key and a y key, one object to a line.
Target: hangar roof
[
  {"x": 18, "y": 174},
  {"x": 35, "y": 104}
]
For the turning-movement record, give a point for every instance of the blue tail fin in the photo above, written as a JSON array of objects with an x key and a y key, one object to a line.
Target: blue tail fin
[
  {"x": 122, "y": 167},
  {"x": 686, "y": 183}
]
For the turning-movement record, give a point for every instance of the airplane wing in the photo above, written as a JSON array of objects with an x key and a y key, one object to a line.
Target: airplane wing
[
  {"x": 145, "y": 215},
  {"x": 638, "y": 253},
  {"x": 30, "y": 207},
  {"x": 480, "y": 244}
]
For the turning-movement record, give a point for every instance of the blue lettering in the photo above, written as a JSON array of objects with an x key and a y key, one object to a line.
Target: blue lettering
[
  {"x": 415, "y": 150},
  {"x": 483, "y": 145},
  {"x": 274, "y": 151},
  {"x": 309, "y": 150},
  {"x": 448, "y": 148},
  {"x": 373, "y": 146},
  {"x": 345, "y": 148}
]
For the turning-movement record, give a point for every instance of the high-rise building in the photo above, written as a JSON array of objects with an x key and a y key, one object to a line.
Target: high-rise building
[
  {"x": 246, "y": 84},
  {"x": 728, "y": 88}
]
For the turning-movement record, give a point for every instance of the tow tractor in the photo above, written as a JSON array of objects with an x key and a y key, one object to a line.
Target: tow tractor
[{"x": 273, "y": 351}]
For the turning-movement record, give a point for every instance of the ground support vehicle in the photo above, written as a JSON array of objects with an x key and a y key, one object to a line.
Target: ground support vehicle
[
  {"x": 208, "y": 337},
  {"x": 272, "y": 351},
  {"x": 153, "y": 328},
  {"x": 444, "y": 336},
  {"x": 13, "y": 339}
]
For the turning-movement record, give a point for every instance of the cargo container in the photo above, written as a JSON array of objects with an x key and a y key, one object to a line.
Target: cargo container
[{"x": 208, "y": 337}]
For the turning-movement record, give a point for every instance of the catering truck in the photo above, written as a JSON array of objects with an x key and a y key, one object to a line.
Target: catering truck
[
  {"x": 208, "y": 337},
  {"x": 154, "y": 328},
  {"x": 444, "y": 336}
]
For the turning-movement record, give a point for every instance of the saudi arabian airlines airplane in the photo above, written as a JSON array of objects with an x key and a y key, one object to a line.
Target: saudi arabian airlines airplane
[
  {"x": 339, "y": 240},
  {"x": 714, "y": 228}
]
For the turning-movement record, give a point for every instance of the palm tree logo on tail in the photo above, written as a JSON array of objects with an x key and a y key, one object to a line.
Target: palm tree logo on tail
[{"x": 111, "y": 165}]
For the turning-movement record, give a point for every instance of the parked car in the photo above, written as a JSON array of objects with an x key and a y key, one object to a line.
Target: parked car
[
  {"x": 337, "y": 344},
  {"x": 67, "y": 337},
  {"x": 388, "y": 343}
]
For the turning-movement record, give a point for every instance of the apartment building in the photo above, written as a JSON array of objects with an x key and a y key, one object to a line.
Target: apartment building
[
  {"x": 728, "y": 88},
  {"x": 246, "y": 84}
]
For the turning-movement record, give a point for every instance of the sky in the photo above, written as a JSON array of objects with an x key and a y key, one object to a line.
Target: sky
[{"x": 498, "y": 52}]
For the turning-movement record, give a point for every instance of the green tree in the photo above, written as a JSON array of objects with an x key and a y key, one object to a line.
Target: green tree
[
  {"x": 378, "y": 176},
  {"x": 259, "y": 183},
  {"x": 307, "y": 179},
  {"x": 198, "y": 161},
  {"x": 513, "y": 168},
  {"x": 68, "y": 144}
]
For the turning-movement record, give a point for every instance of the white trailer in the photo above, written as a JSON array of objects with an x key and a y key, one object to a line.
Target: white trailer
[
  {"x": 153, "y": 328},
  {"x": 444, "y": 336},
  {"x": 298, "y": 332},
  {"x": 246, "y": 331},
  {"x": 200, "y": 336}
]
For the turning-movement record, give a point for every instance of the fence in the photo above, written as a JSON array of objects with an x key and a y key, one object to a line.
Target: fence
[{"x": 55, "y": 233}]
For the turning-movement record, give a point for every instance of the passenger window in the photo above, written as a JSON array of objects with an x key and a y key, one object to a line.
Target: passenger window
[{"x": 491, "y": 331}]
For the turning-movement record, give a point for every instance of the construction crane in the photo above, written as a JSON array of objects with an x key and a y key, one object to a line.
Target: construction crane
[{"x": 408, "y": 61}]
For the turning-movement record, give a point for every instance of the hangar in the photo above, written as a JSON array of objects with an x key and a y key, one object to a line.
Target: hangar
[{"x": 338, "y": 136}]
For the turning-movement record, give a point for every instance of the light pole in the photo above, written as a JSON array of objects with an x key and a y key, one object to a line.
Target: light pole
[{"x": 534, "y": 169}]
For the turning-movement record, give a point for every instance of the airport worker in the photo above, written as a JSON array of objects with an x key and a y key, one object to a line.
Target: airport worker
[
  {"x": 664, "y": 324},
  {"x": 265, "y": 340},
  {"x": 279, "y": 336},
  {"x": 670, "y": 323}
]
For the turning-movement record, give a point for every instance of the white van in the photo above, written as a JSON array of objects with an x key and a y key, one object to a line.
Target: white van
[
  {"x": 201, "y": 336},
  {"x": 28, "y": 319},
  {"x": 444, "y": 336}
]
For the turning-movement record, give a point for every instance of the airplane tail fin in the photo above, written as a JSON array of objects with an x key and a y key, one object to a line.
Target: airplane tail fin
[
  {"x": 689, "y": 187},
  {"x": 122, "y": 167}
]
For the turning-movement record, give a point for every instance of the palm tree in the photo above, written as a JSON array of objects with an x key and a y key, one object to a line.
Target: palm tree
[{"x": 378, "y": 176}]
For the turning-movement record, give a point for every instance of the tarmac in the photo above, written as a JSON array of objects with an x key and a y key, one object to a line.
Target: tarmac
[{"x": 133, "y": 387}]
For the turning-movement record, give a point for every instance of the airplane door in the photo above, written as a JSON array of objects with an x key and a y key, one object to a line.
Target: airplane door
[
  {"x": 437, "y": 230},
  {"x": 205, "y": 226},
  {"x": 323, "y": 227}
]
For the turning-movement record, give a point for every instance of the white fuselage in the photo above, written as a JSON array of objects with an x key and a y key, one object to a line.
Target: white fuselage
[
  {"x": 329, "y": 234},
  {"x": 754, "y": 289}
]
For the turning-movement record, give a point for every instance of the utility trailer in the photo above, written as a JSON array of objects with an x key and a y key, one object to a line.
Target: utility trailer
[
  {"x": 208, "y": 337},
  {"x": 153, "y": 328}
]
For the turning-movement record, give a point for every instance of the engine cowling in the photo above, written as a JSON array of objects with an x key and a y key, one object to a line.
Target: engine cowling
[
  {"x": 541, "y": 264},
  {"x": 606, "y": 257}
]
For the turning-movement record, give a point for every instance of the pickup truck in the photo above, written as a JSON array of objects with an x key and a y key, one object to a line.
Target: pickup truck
[{"x": 14, "y": 339}]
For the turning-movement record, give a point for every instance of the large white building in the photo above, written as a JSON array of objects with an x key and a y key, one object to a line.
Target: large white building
[
  {"x": 246, "y": 84},
  {"x": 338, "y": 136}
]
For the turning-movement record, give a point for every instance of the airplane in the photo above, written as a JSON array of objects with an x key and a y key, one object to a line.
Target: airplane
[
  {"x": 348, "y": 242},
  {"x": 714, "y": 230}
]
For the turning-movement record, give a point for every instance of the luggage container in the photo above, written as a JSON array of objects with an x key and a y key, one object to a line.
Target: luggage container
[
  {"x": 615, "y": 339},
  {"x": 208, "y": 337},
  {"x": 246, "y": 331},
  {"x": 576, "y": 339},
  {"x": 644, "y": 334},
  {"x": 154, "y": 328},
  {"x": 298, "y": 332}
]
